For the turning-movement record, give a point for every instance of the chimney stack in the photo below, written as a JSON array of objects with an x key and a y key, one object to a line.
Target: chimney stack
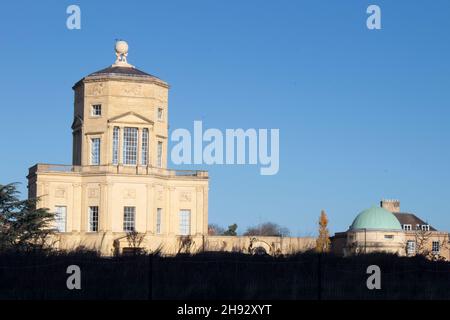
[{"x": 391, "y": 205}]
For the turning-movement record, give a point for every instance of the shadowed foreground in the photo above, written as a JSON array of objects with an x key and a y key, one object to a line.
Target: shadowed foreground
[{"x": 220, "y": 276}]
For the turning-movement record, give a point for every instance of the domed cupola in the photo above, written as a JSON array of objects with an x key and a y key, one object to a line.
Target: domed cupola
[{"x": 376, "y": 218}]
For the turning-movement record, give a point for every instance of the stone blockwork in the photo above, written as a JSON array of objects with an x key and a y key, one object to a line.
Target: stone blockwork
[
  {"x": 118, "y": 194},
  {"x": 110, "y": 243},
  {"x": 118, "y": 180}
]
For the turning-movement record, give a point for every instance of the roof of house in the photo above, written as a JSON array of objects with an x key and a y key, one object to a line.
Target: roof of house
[{"x": 410, "y": 218}]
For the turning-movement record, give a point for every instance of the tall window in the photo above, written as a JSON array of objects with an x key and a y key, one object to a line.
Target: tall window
[
  {"x": 159, "y": 160},
  {"x": 144, "y": 160},
  {"x": 129, "y": 218},
  {"x": 115, "y": 146},
  {"x": 96, "y": 110},
  {"x": 160, "y": 114},
  {"x": 93, "y": 219},
  {"x": 158, "y": 220},
  {"x": 95, "y": 151},
  {"x": 130, "y": 138},
  {"x": 435, "y": 247},
  {"x": 411, "y": 247},
  {"x": 60, "y": 218},
  {"x": 185, "y": 222}
]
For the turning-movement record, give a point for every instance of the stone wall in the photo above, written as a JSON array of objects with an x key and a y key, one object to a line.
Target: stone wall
[{"x": 110, "y": 243}]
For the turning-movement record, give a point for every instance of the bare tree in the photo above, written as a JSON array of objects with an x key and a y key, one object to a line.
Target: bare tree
[
  {"x": 135, "y": 239},
  {"x": 422, "y": 238},
  {"x": 267, "y": 229},
  {"x": 443, "y": 245},
  {"x": 215, "y": 230},
  {"x": 186, "y": 244}
]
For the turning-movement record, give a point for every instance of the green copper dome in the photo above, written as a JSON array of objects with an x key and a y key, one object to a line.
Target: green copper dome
[{"x": 376, "y": 218}]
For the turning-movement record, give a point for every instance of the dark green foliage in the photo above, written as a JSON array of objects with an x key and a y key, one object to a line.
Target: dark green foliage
[
  {"x": 231, "y": 230},
  {"x": 22, "y": 226}
]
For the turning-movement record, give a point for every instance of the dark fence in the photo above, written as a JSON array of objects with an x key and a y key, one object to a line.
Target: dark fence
[{"x": 309, "y": 276}]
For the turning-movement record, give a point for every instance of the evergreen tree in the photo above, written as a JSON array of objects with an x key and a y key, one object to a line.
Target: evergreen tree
[
  {"x": 231, "y": 230},
  {"x": 22, "y": 225}
]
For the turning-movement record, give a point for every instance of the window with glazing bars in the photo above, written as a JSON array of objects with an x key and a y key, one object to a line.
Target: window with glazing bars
[
  {"x": 115, "y": 146},
  {"x": 95, "y": 151},
  {"x": 411, "y": 247},
  {"x": 130, "y": 143},
  {"x": 158, "y": 220},
  {"x": 435, "y": 247},
  {"x": 128, "y": 218},
  {"x": 159, "y": 160},
  {"x": 93, "y": 219},
  {"x": 96, "y": 110},
  {"x": 185, "y": 222},
  {"x": 60, "y": 218},
  {"x": 144, "y": 160}
]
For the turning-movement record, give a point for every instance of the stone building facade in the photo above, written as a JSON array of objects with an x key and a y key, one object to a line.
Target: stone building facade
[
  {"x": 387, "y": 229},
  {"x": 118, "y": 193},
  {"x": 119, "y": 181}
]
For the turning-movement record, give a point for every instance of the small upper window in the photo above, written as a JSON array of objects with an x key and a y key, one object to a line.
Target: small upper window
[
  {"x": 160, "y": 114},
  {"x": 389, "y": 236},
  {"x": 407, "y": 227},
  {"x": 425, "y": 227},
  {"x": 96, "y": 110}
]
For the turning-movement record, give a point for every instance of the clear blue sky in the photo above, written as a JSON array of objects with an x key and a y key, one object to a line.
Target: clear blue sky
[{"x": 363, "y": 115}]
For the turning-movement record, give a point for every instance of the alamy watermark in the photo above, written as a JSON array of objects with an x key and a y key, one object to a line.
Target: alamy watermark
[
  {"x": 74, "y": 280},
  {"x": 73, "y": 21},
  {"x": 373, "y": 22},
  {"x": 235, "y": 146},
  {"x": 374, "y": 280}
]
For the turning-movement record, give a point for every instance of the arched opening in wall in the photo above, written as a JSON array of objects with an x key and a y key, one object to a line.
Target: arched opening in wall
[
  {"x": 259, "y": 251},
  {"x": 259, "y": 247}
]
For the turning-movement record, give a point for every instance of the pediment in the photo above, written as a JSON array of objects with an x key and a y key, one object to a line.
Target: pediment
[{"x": 130, "y": 118}]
